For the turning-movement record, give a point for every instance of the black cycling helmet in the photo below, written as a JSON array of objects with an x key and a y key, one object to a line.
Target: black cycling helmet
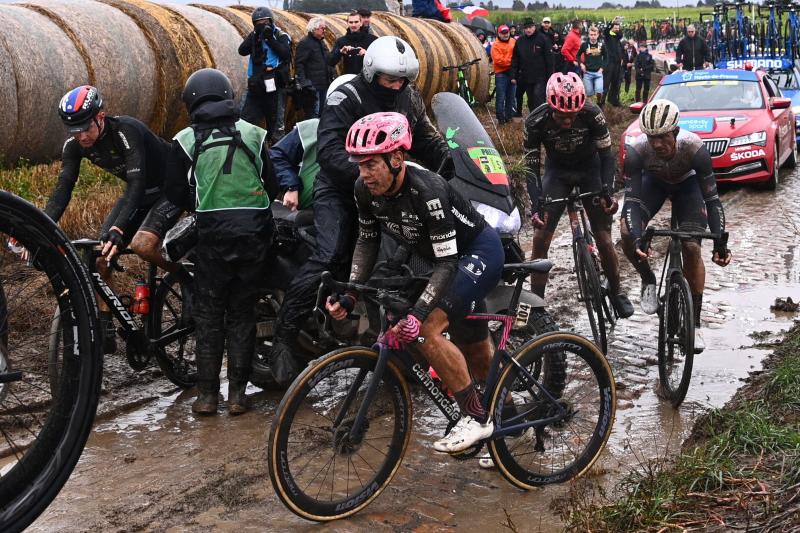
[
  {"x": 206, "y": 85},
  {"x": 79, "y": 106},
  {"x": 260, "y": 13}
]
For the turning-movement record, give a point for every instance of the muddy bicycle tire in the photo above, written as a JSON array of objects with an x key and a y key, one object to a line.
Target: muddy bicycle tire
[
  {"x": 537, "y": 457},
  {"x": 177, "y": 359},
  {"x": 591, "y": 293},
  {"x": 59, "y": 420},
  {"x": 676, "y": 340},
  {"x": 293, "y": 439}
]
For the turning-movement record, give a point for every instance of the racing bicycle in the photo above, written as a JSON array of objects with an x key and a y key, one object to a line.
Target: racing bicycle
[
  {"x": 593, "y": 288},
  {"x": 340, "y": 432},
  {"x": 462, "y": 87},
  {"x": 165, "y": 332},
  {"x": 675, "y": 314},
  {"x": 42, "y": 430}
]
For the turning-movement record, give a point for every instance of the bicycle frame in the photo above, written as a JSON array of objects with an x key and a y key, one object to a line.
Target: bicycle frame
[
  {"x": 440, "y": 399},
  {"x": 131, "y": 326}
]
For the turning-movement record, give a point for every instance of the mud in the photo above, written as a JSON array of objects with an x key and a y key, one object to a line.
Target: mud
[{"x": 151, "y": 465}]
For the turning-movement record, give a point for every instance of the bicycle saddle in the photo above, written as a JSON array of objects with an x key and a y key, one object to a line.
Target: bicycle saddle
[{"x": 537, "y": 265}]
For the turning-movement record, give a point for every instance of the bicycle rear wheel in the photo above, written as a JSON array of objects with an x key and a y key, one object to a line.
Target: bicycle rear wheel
[
  {"x": 168, "y": 314},
  {"x": 565, "y": 449},
  {"x": 317, "y": 470},
  {"x": 43, "y": 429},
  {"x": 591, "y": 293},
  {"x": 676, "y": 340}
]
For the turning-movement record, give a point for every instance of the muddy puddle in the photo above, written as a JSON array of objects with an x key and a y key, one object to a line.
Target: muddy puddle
[{"x": 153, "y": 466}]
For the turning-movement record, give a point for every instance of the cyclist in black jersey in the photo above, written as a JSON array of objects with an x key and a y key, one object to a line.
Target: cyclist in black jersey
[
  {"x": 421, "y": 210},
  {"x": 668, "y": 162},
  {"x": 127, "y": 149},
  {"x": 578, "y": 145}
]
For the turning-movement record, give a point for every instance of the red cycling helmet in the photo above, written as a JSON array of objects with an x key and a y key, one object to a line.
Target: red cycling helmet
[
  {"x": 565, "y": 92},
  {"x": 376, "y": 134}
]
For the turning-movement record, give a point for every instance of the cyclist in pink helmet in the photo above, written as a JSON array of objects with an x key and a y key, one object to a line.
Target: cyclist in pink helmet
[
  {"x": 421, "y": 210},
  {"x": 578, "y": 144}
]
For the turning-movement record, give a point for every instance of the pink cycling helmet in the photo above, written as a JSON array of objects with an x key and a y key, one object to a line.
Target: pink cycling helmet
[
  {"x": 565, "y": 92},
  {"x": 376, "y": 134}
]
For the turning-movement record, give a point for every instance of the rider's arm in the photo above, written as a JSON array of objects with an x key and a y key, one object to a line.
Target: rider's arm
[
  {"x": 708, "y": 186},
  {"x": 632, "y": 208},
  {"x": 602, "y": 141},
  {"x": 434, "y": 211},
  {"x": 333, "y": 126},
  {"x": 286, "y": 156},
  {"x": 67, "y": 178},
  {"x": 133, "y": 151},
  {"x": 366, "y": 250},
  {"x": 429, "y": 146},
  {"x": 176, "y": 181},
  {"x": 532, "y": 141}
]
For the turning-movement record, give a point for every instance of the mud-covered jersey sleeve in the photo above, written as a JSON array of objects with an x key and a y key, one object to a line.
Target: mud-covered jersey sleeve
[
  {"x": 176, "y": 181},
  {"x": 632, "y": 208},
  {"x": 532, "y": 137},
  {"x": 704, "y": 173},
  {"x": 71, "y": 156},
  {"x": 434, "y": 210},
  {"x": 366, "y": 250},
  {"x": 601, "y": 136},
  {"x": 131, "y": 141}
]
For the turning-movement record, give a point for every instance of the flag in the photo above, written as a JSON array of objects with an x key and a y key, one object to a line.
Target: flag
[{"x": 473, "y": 11}]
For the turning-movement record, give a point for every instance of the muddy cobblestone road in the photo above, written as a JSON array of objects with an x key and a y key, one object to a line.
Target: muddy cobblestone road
[{"x": 151, "y": 465}]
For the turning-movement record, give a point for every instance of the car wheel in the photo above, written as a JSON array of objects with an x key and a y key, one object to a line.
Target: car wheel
[
  {"x": 791, "y": 161},
  {"x": 772, "y": 183}
]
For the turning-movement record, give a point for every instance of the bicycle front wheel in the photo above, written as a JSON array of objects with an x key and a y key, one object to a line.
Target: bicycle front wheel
[
  {"x": 569, "y": 446},
  {"x": 591, "y": 293},
  {"x": 169, "y": 316},
  {"x": 676, "y": 340},
  {"x": 317, "y": 469},
  {"x": 43, "y": 425}
]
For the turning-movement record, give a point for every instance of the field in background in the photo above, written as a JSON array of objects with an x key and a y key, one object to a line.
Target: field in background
[{"x": 563, "y": 16}]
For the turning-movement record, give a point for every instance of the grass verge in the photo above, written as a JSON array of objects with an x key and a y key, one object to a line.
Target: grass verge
[{"x": 739, "y": 469}]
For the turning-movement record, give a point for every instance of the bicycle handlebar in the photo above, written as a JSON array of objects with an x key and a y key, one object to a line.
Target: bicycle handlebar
[
  {"x": 387, "y": 298},
  {"x": 650, "y": 232},
  {"x": 91, "y": 245},
  {"x": 604, "y": 192},
  {"x": 462, "y": 66}
]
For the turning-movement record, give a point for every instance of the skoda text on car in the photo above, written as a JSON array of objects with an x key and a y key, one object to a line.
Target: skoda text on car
[{"x": 745, "y": 122}]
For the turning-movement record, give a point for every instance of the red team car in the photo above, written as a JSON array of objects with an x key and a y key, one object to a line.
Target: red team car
[{"x": 746, "y": 124}]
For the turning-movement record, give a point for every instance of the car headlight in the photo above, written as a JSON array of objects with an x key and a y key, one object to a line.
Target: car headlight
[
  {"x": 629, "y": 139},
  {"x": 759, "y": 138}
]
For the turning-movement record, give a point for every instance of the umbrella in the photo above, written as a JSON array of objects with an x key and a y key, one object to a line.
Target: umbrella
[{"x": 480, "y": 23}]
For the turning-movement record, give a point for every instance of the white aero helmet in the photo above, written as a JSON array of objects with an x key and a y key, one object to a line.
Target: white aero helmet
[
  {"x": 338, "y": 82},
  {"x": 658, "y": 117},
  {"x": 391, "y": 56}
]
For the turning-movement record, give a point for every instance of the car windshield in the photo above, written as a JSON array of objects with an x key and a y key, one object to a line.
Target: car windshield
[{"x": 713, "y": 95}]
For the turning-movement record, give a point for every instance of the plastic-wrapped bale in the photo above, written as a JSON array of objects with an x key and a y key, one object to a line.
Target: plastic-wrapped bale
[{"x": 32, "y": 80}]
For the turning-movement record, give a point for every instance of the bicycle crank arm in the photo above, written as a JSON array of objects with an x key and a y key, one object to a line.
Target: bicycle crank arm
[{"x": 10, "y": 377}]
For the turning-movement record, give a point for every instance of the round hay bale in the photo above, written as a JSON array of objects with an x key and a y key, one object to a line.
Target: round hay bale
[
  {"x": 222, "y": 42},
  {"x": 123, "y": 70},
  {"x": 33, "y": 79}
]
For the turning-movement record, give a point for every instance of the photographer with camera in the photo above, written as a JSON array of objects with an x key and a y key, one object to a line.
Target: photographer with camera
[
  {"x": 270, "y": 53},
  {"x": 351, "y": 46}
]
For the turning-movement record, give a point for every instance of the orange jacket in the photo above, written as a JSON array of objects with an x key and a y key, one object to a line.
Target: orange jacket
[{"x": 501, "y": 54}]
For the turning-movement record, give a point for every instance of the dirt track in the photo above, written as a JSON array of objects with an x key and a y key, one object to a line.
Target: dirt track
[{"x": 151, "y": 465}]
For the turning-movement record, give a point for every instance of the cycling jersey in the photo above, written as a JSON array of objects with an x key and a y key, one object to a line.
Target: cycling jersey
[
  {"x": 426, "y": 214},
  {"x": 644, "y": 170},
  {"x": 571, "y": 149},
  {"x": 127, "y": 149}
]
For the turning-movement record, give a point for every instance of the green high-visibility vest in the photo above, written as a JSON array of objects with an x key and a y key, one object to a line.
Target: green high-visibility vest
[
  {"x": 309, "y": 167},
  {"x": 227, "y": 172}
]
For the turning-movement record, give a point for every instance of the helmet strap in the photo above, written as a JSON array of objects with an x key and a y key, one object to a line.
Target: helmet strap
[{"x": 394, "y": 171}]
